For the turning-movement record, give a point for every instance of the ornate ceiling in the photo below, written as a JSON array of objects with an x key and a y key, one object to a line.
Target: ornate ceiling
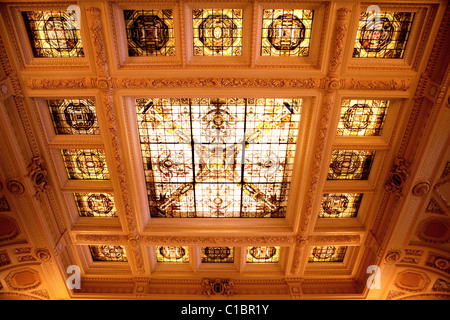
[{"x": 207, "y": 150}]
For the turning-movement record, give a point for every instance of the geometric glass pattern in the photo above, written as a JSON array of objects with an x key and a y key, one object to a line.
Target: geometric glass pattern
[
  {"x": 350, "y": 164},
  {"x": 263, "y": 254},
  {"x": 150, "y": 32},
  {"x": 73, "y": 116},
  {"x": 95, "y": 204},
  {"x": 217, "y": 32},
  {"x": 108, "y": 253},
  {"x": 172, "y": 254},
  {"x": 286, "y": 32},
  {"x": 85, "y": 164},
  {"x": 362, "y": 117},
  {"x": 340, "y": 205},
  {"x": 327, "y": 254},
  {"x": 218, "y": 157},
  {"x": 53, "y": 34},
  {"x": 382, "y": 35},
  {"x": 217, "y": 254}
]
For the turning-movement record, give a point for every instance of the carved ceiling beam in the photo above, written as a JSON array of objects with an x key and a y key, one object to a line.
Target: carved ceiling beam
[
  {"x": 91, "y": 238},
  {"x": 400, "y": 84},
  {"x": 327, "y": 104},
  {"x": 103, "y": 82}
]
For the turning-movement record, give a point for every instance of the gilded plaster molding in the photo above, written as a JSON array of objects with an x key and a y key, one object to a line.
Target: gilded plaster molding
[
  {"x": 106, "y": 83},
  {"x": 401, "y": 170},
  {"x": 334, "y": 239},
  {"x": 192, "y": 240}
]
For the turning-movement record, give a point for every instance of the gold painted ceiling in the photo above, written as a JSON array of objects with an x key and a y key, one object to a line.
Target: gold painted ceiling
[{"x": 208, "y": 150}]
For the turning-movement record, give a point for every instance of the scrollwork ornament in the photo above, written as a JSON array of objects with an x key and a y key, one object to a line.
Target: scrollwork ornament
[
  {"x": 399, "y": 173},
  {"x": 392, "y": 256},
  {"x": 43, "y": 254},
  {"x": 301, "y": 242},
  {"x": 15, "y": 187},
  {"x": 38, "y": 175},
  {"x": 104, "y": 83},
  {"x": 223, "y": 287},
  {"x": 421, "y": 189},
  {"x": 334, "y": 84},
  {"x": 442, "y": 263}
]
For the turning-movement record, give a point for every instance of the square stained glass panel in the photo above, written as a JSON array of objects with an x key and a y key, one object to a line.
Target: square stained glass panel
[
  {"x": 350, "y": 164},
  {"x": 53, "y": 34},
  {"x": 172, "y": 254},
  {"x": 108, "y": 253},
  {"x": 95, "y": 204},
  {"x": 286, "y": 32},
  {"x": 327, "y": 254},
  {"x": 217, "y": 32},
  {"x": 340, "y": 205},
  {"x": 85, "y": 164},
  {"x": 362, "y": 117},
  {"x": 217, "y": 254},
  {"x": 73, "y": 116},
  {"x": 382, "y": 35},
  {"x": 263, "y": 254},
  {"x": 150, "y": 32},
  {"x": 218, "y": 157}
]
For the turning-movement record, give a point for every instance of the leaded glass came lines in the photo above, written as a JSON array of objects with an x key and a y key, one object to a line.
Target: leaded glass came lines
[
  {"x": 218, "y": 157},
  {"x": 327, "y": 254},
  {"x": 263, "y": 254},
  {"x": 362, "y": 117},
  {"x": 150, "y": 32},
  {"x": 95, "y": 204},
  {"x": 73, "y": 116},
  {"x": 340, "y": 205},
  {"x": 382, "y": 35},
  {"x": 350, "y": 164},
  {"x": 108, "y": 253},
  {"x": 172, "y": 254},
  {"x": 286, "y": 32},
  {"x": 217, "y": 32},
  {"x": 85, "y": 164},
  {"x": 217, "y": 254},
  {"x": 53, "y": 34}
]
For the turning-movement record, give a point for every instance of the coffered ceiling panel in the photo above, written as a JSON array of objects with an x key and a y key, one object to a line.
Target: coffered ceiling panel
[{"x": 254, "y": 149}]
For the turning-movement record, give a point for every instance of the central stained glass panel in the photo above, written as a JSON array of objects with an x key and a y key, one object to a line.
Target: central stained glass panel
[{"x": 218, "y": 157}]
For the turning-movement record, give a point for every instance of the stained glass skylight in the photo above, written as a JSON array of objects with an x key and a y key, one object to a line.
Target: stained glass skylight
[
  {"x": 362, "y": 117},
  {"x": 217, "y": 32},
  {"x": 53, "y": 34},
  {"x": 150, "y": 32},
  {"x": 263, "y": 254},
  {"x": 340, "y": 205},
  {"x": 218, "y": 157},
  {"x": 350, "y": 164},
  {"x": 108, "y": 253},
  {"x": 172, "y": 254},
  {"x": 95, "y": 204},
  {"x": 84, "y": 164},
  {"x": 382, "y": 35},
  {"x": 217, "y": 254},
  {"x": 327, "y": 254},
  {"x": 73, "y": 116},
  {"x": 286, "y": 32}
]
